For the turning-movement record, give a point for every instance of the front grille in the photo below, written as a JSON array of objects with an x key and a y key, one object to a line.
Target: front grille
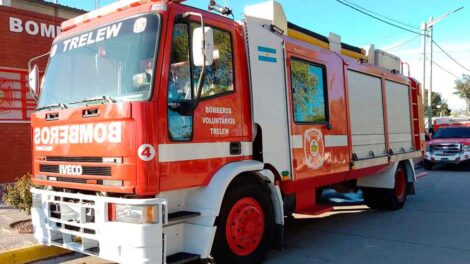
[
  {"x": 49, "y": 168},
  {"x": 446, "y": 149},
  {"x": 75, "y": 159},
  {"x": 86, "y": 170},
  {"x": 73, "y": 180}
]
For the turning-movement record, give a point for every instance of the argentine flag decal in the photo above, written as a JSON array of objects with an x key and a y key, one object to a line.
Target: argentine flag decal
[{"x": 267, "y": 54}]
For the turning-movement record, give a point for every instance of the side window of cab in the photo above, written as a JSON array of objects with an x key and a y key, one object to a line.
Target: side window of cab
[
  {"x": 184, "y": 76},
  {"x": 220, "y": 75},
  {"x": 180, "y": 127}
]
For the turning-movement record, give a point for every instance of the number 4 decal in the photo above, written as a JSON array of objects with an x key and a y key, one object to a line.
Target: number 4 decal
[{"x": 146, "y": 152}]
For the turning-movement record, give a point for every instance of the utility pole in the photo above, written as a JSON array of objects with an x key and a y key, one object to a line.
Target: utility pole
[
  {"x": 430, "y": 27},
  {"x": 427, "y": 29},
  {"x": 424, "y": 33}
]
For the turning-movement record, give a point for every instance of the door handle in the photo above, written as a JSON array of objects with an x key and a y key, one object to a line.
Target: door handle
[{"x": 235, "y": 148}]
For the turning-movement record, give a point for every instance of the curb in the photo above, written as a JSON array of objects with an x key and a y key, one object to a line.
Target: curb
[
  {"x": 30, "y": 254},
  {"x": 421, "y": 175}
]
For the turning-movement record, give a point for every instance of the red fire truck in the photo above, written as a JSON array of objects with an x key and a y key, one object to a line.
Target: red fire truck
[{"x": 165, "y": 133}]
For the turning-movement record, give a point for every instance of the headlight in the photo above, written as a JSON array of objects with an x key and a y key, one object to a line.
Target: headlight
[
  {"x": 466, "y": 148},
  {"x": 133, "y": 214}
]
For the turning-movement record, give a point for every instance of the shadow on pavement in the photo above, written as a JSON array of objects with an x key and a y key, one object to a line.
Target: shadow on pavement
[{"x": 465, "y": 167}]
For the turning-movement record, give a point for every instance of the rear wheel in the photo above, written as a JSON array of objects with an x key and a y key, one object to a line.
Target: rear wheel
[
  {"x": 388, "y": 199},
  {"x": 245, "y": 225}
]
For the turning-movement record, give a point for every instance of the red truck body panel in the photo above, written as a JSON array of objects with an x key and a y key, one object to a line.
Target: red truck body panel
[{"x": 146, "y": 122}]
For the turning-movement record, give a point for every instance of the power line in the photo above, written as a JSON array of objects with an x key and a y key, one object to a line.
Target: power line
[
  {"x": 442, "y": 68},
  {"x": 375, "y": 13},
  {"x": 402, "y": 44},
  {"x": 382, "y": 20},
  {"x": 450, "y": 57}
]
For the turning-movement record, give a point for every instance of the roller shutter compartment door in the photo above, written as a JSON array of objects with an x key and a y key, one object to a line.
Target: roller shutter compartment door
[
  {"x": 399, "y": 117},
  {"x": 366, "y": 115}
]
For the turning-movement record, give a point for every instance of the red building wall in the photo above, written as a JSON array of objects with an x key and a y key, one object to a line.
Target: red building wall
[{"x": 23, "y": 35}]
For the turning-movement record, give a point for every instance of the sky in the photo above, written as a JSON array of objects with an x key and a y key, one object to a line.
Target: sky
[{"x": 324, "y": 16}]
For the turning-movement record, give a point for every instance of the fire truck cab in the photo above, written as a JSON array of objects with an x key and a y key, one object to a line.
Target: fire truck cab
[{"x": 165, "y": 133}]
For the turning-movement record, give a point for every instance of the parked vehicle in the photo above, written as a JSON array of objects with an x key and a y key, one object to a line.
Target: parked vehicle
[
  {"x": 449, "y": 145},
  {"x": 166, "y": 134}
]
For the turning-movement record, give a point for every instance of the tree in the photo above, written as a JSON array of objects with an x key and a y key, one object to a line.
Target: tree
[
  {"x": 462, "y": 89},
  {"x": 436, "y": 100}
]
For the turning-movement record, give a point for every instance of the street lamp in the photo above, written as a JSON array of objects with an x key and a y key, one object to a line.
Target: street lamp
[{"x": 427, "y": 30}]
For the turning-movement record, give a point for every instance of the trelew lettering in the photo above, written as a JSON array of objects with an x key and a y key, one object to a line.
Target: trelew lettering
[{"x": 89, "y": 38}]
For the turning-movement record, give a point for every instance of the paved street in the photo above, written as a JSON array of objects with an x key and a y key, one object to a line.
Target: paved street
[{"x": 434, "y": 227}]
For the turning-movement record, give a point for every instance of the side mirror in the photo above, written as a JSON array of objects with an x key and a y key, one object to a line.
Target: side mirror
[
  {"x": 34, "y": 82},
  {"x": 199, "y": 49}
]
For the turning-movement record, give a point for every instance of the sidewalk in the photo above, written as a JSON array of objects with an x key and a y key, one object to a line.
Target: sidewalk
[{"x": 9, "y": 238}]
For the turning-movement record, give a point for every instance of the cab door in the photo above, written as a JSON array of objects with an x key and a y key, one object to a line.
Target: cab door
[
  {"x": 318, "y": 114},
  {"x": 197, "y": 144}
]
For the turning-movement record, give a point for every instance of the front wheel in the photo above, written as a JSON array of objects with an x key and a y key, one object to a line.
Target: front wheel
[{"x": 245, "y": 224}]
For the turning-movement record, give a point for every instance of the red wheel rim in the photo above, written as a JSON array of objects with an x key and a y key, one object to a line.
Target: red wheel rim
[
  {"x": 245, "y": 226},
  {"x": 400, "y": 184}
]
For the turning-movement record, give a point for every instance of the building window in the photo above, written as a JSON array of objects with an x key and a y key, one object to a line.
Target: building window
[{"x": 308, "y": 92}]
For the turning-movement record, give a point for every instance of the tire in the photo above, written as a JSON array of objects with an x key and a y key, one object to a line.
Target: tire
[
  {"x": 373, "y": 198},
  {"x": 245, "y": 226},
  {"x": 427, "y": 165},
  {"x": 388, "y": 199}
]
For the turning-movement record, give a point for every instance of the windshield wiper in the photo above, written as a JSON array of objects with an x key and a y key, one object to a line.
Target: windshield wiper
[
  {"x": 51, "y": 106},
  {"x": 104, "y": 99}
]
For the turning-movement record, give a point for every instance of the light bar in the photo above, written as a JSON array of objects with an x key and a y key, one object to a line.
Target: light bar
[{"x": 106, "y": 10}]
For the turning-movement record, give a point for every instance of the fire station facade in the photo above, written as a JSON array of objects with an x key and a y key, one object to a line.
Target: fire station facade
[{"x": 27, "y": 28}]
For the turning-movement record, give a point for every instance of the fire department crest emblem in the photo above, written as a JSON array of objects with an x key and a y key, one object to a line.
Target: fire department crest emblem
[
  {"x": 7, "y": 95},
  {"x": 314, "y": 148}
]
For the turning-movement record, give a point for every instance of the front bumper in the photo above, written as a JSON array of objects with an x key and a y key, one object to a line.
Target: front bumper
[
  {"x": 80, "y": 223},
  {"x": 447, "y": 159}
]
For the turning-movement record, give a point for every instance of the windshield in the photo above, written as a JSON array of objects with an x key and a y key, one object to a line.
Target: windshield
[
  {"x": 453, "y": 132},
  {"x": 115, "y": 61}
]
